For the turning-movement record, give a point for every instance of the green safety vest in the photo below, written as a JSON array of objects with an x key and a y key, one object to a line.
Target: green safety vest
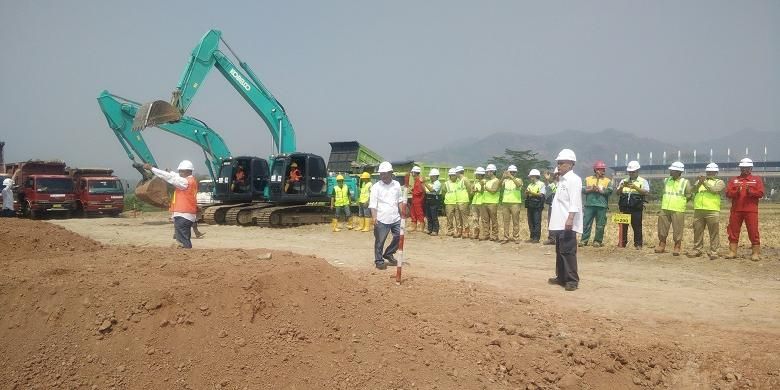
[
  {"x": 512, "y": 192},
  {"x": 535, "y": 188},
  {"x": 341, "y": 196},
  {"x": 462, "y": 193},
  {"x": 476, "y": 199},
  {"x": 674, "y": 195},
  {"x": 553, "y": 187},
  {"x": 705, "y": 200},
  {"x": 450, "y": 194},
  {"x": 640, "y": 182},
  {"x": 490, "y": 197},
  {"x": 365, "y": 192}
]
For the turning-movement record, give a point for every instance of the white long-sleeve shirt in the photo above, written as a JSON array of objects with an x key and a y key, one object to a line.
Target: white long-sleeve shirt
[
  {"x": 385, "y": 199},
  {"x": 568, "y": 199},
  {"x": 179, "y": 182},
  {"x": 8, "y": 198}
]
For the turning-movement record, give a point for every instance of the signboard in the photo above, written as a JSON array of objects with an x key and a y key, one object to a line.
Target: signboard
[{"x": 624, "y": 219}]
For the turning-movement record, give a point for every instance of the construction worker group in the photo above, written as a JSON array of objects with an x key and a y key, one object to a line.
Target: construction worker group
[{"x": 473, "y": 207}]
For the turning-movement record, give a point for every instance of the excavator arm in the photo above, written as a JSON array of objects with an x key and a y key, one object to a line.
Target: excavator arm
[{"x": 205, "y": 56}]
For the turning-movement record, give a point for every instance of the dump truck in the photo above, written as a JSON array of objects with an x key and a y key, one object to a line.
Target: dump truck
[
  {"x": 42, "y": 188},
  {"x": 98, "y": 192}
]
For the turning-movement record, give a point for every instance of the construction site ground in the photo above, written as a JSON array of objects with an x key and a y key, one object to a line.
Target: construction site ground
[{"x": 109, "y": 303}]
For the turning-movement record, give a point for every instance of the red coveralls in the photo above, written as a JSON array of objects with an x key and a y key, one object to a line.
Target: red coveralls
[
  {"x": 418, "y": 200},
  {"x": 744, "y": 191}
]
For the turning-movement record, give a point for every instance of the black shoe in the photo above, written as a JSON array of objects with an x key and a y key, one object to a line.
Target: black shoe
[
  {"x": 570, "y": 286},
  {"x": 380, "y": 266},
  {"x": 390, "y": 260},
  {"x": 554, "y": 281}
]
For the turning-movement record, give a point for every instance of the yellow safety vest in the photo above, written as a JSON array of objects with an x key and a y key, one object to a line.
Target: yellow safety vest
[
  {"x": 476, "y": 199},
  {"x": 490, "y": 197},
  {"x": 462, "y": 193},
  {"x": 365, "y": 192},
  {"x": 512, "y": 192},
  {"x": 705, "y": 200},
  {"x": 450, "y": 194},
  {"x": 640, "y": 182},
  {"x": 674, "y": 195},
  {"x": 535, "y": 188},
  {"x": 591, "y": 181},
  {"x": 341, "y": 196}
]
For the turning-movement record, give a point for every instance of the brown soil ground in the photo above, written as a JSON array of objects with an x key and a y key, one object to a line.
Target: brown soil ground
[{"x": 116, "y": 307}]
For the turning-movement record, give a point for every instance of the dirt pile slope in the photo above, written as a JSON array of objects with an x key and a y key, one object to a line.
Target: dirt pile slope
[{"x": 79, "y": 315}]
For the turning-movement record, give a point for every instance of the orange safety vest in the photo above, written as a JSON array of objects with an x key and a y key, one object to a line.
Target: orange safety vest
[{"x": 185, "y": 201}]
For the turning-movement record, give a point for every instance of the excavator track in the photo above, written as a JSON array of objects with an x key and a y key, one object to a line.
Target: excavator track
[
  {"x": 216, "y": 215},
  {"x": 244, "y": 215},
  {"x": 293, "y": 215}
]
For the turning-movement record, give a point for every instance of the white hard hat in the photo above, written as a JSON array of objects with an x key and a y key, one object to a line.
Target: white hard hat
[
  {"x": 8, "y": 182},
  {"x": 416, "y": 169},
  {"x": 186, "y": 165},
  {"x": 677, "y": 166},
  {"x": 479, "y": 171},
  {"x": 452, "y": 171},
  {"x": 385, "y": 167},
  {"x": 490, "y": 168},
  {"x": 566, "y": 155},
  {"x": 711, "y": 167},
  {"x": 433, "y": 172},
  {"x": 534, "y": 172},
  {"x": 745, "y": 162},
  {"x": 511, "y": 168},
  {"x": 633, "y": 166},
  {"x": 459, "y": 169}
]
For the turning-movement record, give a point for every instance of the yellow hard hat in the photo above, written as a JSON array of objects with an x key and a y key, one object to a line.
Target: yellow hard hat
[
  {"x": 365, "y": 175},
  {"x": 339, "y": 177}
]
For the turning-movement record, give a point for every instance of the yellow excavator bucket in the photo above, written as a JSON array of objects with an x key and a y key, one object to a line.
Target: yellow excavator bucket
[
  {"x": 155, "y": 113},
  {"x": 153, "y": 191}
]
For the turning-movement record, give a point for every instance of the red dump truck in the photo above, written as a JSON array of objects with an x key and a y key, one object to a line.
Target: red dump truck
[
  {"x": 98, "y": 192},
  {"x": 42, "y": 188}
]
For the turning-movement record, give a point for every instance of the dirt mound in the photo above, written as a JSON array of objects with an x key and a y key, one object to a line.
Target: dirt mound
[
  {"x": 126, "y": 317},
  {"x": 22, "y": 238}
]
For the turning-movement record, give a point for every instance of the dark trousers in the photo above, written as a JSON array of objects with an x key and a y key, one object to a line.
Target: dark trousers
[
  {"x": 182, "y": 228},
  {"x": 534, "y": 222},
  {"x": 432, "y": 215},
  {"x": 7, "y": 213},
  {"x": 380, "y": 236},
  {"x": 636, "y": 227},
  {"x": 566, "y": 256}
]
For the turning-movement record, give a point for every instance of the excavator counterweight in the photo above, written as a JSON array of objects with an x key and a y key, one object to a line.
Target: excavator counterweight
[{"x": 155, "y": 113}]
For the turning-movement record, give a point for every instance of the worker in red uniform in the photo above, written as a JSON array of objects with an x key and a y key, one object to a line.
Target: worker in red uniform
[
  {"x": 744, "y": 190},
  {"x": 418, "y": 200}
]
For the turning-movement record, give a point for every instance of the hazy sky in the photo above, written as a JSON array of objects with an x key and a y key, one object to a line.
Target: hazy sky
[{"x": 400, "y": 76}]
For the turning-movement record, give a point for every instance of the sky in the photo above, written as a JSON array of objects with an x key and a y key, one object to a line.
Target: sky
[{"x": 402, "y": 77}]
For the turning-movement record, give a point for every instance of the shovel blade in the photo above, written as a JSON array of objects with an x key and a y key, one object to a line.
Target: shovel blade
[{"x": 155, "y": 113}]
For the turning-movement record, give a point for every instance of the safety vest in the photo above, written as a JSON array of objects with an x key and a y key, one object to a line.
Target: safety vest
[
  {"x": 553, "y": 187},
  {"x": 706, "y": 200},
  {"x": 450, "y": 194},
  {"x": 476, "y": 199},
  {"x": 512, "y": 192},
  {"x": 591, "y": 181},
  {"x": 535, "y": 188},
  {"x": 185, "y": 201},
  {"x": 674, "y": 195},
  {"x": 341, "y": 196},
  {"x": 365, "y": 192},
  {"x": 490, "y": 197},
  {"x": 462, "y": 193},
  {"x": 640, "y": 182}
]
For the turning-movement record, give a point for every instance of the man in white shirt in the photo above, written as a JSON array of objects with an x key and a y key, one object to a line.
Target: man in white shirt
[
  {"x": 566, "y": 221},
  {"x": 387, "y": 204},
  {"x": 8, "y": 199},
  {"x": 184, "y": 204}
]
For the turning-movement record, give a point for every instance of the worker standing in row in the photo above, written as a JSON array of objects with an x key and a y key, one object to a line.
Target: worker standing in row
[
  {"x": 706, "y": 211},
  {"x": 450, "y": 189},
  {"x": 8, "y": 199},
  {"x": 597, "y": 190},
  {"x": 476, "y": 202},
  {"x": 511, "y": 202},
  {"x": 417, "y": 191},
  {"x": 365, "y": 193},
  {"x": 184, "y": 205},
  {"x": 744, "y": 191},
  {"x": 631, "y": 192},
  {"x": 677, "y": 191},
  {"x": 340, "y": 199},
  {"x": 463, "y": 199},
  {"x": 433, "y": 201},
  {"x": 490, "y": 199},
  {"x": 566, "y": 221},
  {"x": 534, "y": 204}
]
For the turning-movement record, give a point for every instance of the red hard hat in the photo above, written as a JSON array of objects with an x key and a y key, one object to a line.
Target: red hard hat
[{"x": 599, "y": 165}]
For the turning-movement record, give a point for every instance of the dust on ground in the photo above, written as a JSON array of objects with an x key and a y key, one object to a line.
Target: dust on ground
[{"x": 303, "y": 308}]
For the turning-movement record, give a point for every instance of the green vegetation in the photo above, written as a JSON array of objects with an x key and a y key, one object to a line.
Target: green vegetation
[{"x": 133, "y": 203}]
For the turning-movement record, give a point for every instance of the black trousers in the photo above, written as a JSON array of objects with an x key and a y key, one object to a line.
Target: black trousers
[
  {"x": 432, "y": 215},
  {"x": 566, "y": 256},
  {"x": 182, "y": 228},
  {"x": 535, "y": 222},
  {"x": 636, "y": 227}
]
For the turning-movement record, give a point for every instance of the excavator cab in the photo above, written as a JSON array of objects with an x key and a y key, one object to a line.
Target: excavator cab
[
  {"x": 242, "y": 180},
  {"x": 298, "y": 178}
]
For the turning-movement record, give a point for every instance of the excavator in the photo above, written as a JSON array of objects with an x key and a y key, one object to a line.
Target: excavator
[{"x": 293, "y": 184}]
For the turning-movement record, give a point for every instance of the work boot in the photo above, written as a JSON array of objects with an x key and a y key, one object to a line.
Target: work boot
[
  {"x": 335, "y": 223},
  {"x": 677, "y": 248},
  {"x": 756, "y": 255},
  {"x": 412, "y": 227},
  {"x": 421, "y": 226},
  {"x": 466, "y": 233},
  {"x": 582, "y": 243},
  {"x": 713, "y": 255},
  {"x": 694, "y": 253},
  {"x": 349, "y": 223},
  {"x": 732, "y": 250},
  {"x": 366, "y": 225},
  {"x": 661, "y": 248},
  {"x": 549, "y": 241},
  {"x": 597, "y": 244}
]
